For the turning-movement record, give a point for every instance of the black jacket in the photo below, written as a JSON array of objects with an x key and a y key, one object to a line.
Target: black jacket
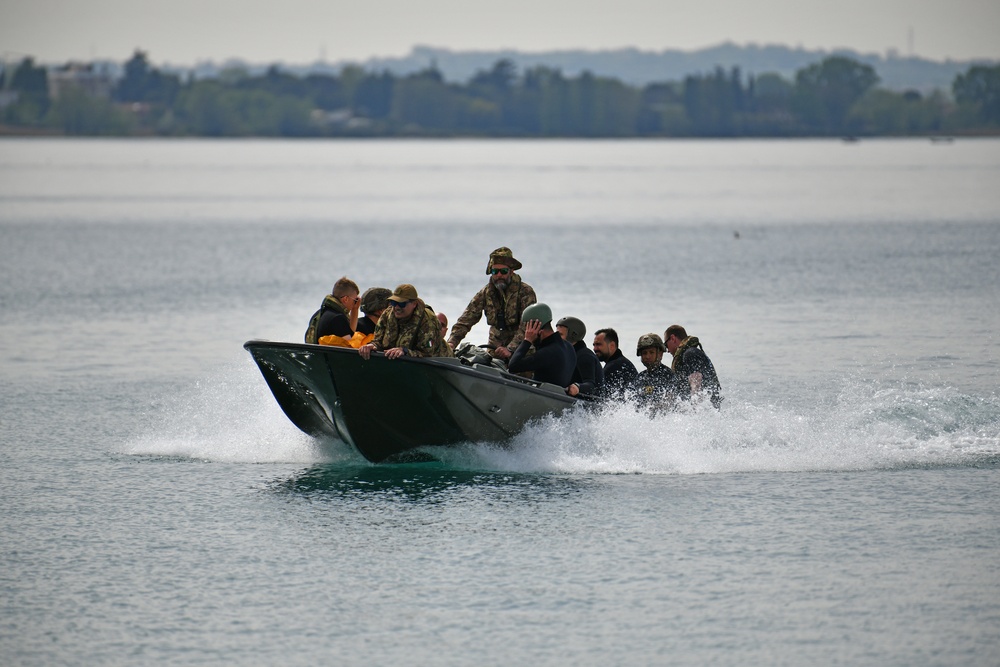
[
  {"x": 588, "y": 374},
  {"x": 619, "y": 376},
  {"x": 553, "y": 361},
  {"x": 334, "y": 321}
]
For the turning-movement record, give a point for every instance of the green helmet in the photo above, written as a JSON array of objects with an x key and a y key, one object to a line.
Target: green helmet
[
  {"x": 575, "y": 329},
  {"x": 537, "y": 311},
  {"x": 649, "y": 340},
  {"x": 375, "y": 299}
]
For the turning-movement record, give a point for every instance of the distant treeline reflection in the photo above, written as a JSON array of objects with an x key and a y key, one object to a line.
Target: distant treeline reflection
[{"x": 835, "y": 97}]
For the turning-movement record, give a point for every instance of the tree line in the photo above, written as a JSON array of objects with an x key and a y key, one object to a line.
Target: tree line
[{"x": 837, "y": 96}]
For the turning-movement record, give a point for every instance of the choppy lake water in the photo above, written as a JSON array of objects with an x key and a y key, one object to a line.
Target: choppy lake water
[{"x": 842, "y": 508}]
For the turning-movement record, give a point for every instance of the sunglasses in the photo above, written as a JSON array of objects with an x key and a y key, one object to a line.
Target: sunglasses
[
  {"x": 401, "y": 304},
  {"x": 502, "y": 272}
]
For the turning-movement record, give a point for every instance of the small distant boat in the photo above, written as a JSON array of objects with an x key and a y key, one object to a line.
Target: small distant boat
[{"x": 388, "y": 409}]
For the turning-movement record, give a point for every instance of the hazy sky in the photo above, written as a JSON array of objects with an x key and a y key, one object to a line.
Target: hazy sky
[{"x": 183, "y": 32}]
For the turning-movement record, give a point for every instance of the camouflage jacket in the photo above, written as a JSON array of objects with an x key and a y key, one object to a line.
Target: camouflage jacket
[
  {"x": 503, "y": 313},
  {"x": 420, "y": 335}
]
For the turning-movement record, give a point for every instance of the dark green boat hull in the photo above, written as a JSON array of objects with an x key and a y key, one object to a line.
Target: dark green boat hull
[{"x": 390, "y": 409}]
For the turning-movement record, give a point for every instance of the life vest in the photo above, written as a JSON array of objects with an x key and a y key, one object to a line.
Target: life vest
[
  {"x": 357, "y": 340},
  {"x": 329, "y": 302}
]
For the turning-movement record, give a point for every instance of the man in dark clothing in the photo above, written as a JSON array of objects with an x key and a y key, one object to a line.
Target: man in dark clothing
[
  {"x": 340, "y": 310},
  {"x": 337, "y": 315},
  {"x": 695, "y": 371},
  {"x": 619, "y": 372},
  {"x": 554, "y": 358},
  {"x": 588, "y": 374},
  {"x": 654, "y": 387}
]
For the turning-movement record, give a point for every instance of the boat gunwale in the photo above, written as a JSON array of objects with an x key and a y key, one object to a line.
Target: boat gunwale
[{"x": 454, "y": 364}]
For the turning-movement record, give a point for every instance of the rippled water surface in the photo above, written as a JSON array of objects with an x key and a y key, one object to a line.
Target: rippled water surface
[{"x": 842, "y": 508}]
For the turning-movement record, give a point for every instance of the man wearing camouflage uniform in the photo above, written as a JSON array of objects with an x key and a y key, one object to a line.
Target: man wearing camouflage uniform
[
  {"x": 407, "y": 329},
  {"x": 503, "y": 300}
]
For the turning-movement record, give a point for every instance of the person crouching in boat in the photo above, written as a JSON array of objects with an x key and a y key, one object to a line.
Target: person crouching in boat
[{"x": 407, "y": 329}]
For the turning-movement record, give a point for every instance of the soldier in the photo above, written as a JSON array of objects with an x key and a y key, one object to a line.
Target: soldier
[
  {"x": 655, "y": 386},
  {"x": 503, "y": 300},
  {"x": 695, "y": 371},
  {"x": 409, "y": 328},
  {"x": 374, "y": 302}
]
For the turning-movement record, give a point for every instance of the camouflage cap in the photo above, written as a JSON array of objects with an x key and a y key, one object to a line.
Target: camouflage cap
[
  {"x": 504, "y": 255},
  {"x": 375, "y": 299},
  {"x": 404, "y": 292},
  {"x": 649, "y": 340}
]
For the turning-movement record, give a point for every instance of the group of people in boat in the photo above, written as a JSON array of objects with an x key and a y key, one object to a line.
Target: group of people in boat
[{"x": 522, "y": 337}]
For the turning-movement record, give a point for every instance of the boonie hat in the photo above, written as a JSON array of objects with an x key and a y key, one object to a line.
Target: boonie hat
[
  {"x": 503, "y": 255},
  {"x": 404, "y": 292}
]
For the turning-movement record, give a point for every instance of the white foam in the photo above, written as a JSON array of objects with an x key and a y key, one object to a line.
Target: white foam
[
  {"x": 864, "y": 428},
  {"x": 232, "y": 417}
]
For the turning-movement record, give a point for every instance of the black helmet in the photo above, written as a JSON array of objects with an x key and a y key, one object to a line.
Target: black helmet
[{"x": 575, "y": 329}]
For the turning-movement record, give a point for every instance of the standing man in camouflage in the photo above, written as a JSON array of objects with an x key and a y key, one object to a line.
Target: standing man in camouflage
[
  {"x": 503, "y": 300},
  {"x": 408, "y": 329}
]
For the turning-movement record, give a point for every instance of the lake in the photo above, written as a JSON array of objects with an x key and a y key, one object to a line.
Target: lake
[{"x": 842, "y": 507}]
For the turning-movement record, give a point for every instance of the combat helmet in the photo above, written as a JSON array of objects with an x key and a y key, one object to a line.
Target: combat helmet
[
  {"x": 537, "y": 311},
  {"x": 649, "y": 340},
  {"x": 575, "y": 329},
  {"x": 375, "y": 299}
]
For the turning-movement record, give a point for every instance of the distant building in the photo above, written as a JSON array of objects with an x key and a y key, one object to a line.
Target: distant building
[{"x": 86, "y": 78}]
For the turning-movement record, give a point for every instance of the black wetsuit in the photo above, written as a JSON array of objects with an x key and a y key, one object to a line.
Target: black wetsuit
[
  {"x": 588, "y": 374},
  {"x": 619, "y": 376},
  {"x": 554, "y": 360}
]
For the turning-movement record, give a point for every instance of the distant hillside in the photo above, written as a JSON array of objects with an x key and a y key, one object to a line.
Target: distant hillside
[{"x": 642, "y": 67}]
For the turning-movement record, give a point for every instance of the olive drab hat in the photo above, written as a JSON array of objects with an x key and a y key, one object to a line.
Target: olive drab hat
[
  {"x": 537, "y": 311},
  {"x": 575, "y": 329},
  {"x": 504, "y": 255},
  {"x": 375, "y": 299},
  {"x": 649, "y": 340},
  {"x": 403, "y": 293}
]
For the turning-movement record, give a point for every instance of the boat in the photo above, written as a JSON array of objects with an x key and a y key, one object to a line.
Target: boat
[{"x": 393, "y": 409}]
